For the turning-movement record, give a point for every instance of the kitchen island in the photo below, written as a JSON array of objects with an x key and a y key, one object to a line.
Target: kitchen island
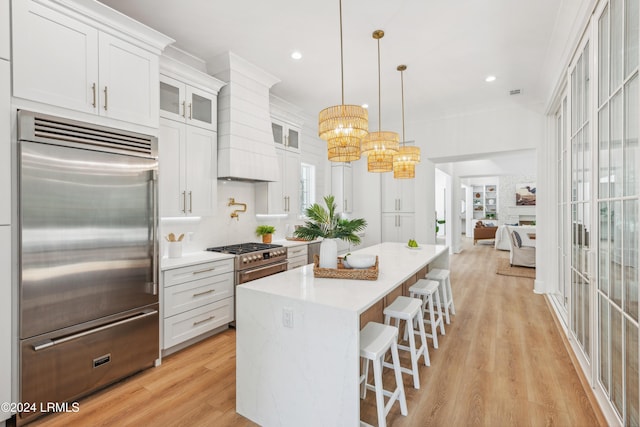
[{"x": 297, "y": 338}]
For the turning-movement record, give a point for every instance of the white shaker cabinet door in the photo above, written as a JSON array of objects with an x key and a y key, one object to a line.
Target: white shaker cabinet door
[
  {"x": 398, "y": 227},
  {"x": 292, "y": 182},
  {"x": 55, "y": 58},
  {"x": 171, "y": 174},
  {"x": 129, "y": 82},
  {"x": 5, "y": 145},
  {"x": 5, "y": 50},
  {"x": 200, "y": 176}
]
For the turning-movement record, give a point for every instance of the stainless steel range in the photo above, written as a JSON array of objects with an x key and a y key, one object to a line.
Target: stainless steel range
[{"x": 255, "y": 260}]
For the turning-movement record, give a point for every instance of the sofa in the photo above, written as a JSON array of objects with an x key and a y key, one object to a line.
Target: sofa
[{"x": 483, "y": 232}]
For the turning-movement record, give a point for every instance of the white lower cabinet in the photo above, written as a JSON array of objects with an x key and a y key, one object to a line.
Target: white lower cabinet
[
  {"x": 296, "y": 256},
  {"x": 5, "y": 318},
  {"x": 398, "y": 227},
  {"x": 196, "y": 300}
]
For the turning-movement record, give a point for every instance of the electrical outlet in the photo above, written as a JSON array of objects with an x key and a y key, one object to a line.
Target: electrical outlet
[{"x": 287, "y": 317}]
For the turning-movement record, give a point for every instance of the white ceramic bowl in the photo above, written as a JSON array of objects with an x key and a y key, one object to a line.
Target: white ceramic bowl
[{"x": 361, "y": 261}]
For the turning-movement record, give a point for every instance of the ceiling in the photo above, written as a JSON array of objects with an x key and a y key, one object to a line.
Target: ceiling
[{"x": 449, "y": 47}]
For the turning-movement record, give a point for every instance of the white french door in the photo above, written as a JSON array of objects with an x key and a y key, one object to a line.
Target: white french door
[{"x": 618, "y": 164}]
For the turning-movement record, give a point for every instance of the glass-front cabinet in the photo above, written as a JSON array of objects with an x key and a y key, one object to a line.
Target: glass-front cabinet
[
  {"x": 285, "y": 135},
  {"x": 182, "y": 102}
]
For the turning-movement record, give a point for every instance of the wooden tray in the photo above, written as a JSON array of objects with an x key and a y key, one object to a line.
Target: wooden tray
[{"x": 370, "y": 273}]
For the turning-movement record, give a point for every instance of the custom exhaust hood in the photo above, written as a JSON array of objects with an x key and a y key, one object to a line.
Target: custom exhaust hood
[{"x": 246, "y": 151}]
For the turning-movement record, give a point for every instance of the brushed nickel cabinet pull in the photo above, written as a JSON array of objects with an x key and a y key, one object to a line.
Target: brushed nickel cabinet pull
[
  {"x": 184, "y": 202},
  {"x": 184, "y": 109},
  {"x": 190, "y": 202},
  {"x": 204, "y": 271},
  {"x": 205, "y": 320},
  {"x": 106, "y": 97},
  {"x": 210, "y": 291},
  {"x": 93, "y": 90}
]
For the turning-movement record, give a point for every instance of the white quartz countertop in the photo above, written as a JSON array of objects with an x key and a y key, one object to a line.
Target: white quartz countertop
[
  {"x": 396, "y": 263},
  {"x": 192, "y": 258}
]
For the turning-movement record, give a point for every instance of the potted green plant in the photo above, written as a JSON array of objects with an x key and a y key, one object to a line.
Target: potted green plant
[
  {"x": 326, "y": 223},
  {"x": 266, "y": 231}
]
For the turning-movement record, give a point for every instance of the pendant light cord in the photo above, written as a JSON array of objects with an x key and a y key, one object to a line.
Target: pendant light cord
[
  {"x": 379, "y": 96},
  {"x": 341, "y": 55},
  {"x": 402, "y": 92}
]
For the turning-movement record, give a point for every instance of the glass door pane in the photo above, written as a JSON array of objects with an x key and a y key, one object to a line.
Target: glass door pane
[{"x": 618, "y": 204}]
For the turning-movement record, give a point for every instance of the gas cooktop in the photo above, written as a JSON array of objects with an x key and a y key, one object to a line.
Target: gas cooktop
[{"x": 243, "y": 248}]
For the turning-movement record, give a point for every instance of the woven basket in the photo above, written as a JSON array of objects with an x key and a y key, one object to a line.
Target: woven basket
[{"x": 370, "y": 273}]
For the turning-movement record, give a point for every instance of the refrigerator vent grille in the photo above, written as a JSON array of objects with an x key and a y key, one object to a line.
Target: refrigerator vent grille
[{"x": 93, "y": 137}]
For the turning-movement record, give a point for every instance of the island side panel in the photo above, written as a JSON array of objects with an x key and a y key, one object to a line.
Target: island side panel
[
  {"x": 440, "y": 261},
  {"x": 306, "y": 374}
]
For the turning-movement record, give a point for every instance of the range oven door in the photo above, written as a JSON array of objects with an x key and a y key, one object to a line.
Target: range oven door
[{"x": 244, "y": 276}]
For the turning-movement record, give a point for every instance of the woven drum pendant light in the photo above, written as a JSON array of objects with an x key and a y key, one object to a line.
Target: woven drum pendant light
[
  {"x": 404, "y": 162},
  {"x": 343, "y": 126},
  {"x": 380, "y": 146}
]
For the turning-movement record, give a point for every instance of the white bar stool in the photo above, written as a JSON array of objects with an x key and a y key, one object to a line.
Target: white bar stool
[
  {"x": 410, "y": 310},
  {"x": 442, "y": 276},
  {"x": 375, "y": 340},
  {"x": 427, "y": 290}
]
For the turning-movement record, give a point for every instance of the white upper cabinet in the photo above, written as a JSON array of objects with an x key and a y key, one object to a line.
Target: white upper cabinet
[
  {"x": 5, "y": 49},
  {"x": 342, "y": 186},
  {"x": 183, "y": 102},
  {"x": 187, "y": 176},
  {"x": 65, "y": 56},
  {"x": 285, "y": 135},
  {"x": 398, "y": 195},
  {"x": 282, "y": 196},
  {"x": 5, "y": 145}
]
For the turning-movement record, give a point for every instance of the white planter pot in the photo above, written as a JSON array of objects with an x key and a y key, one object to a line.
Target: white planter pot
[{"x": 329, "y": 253}]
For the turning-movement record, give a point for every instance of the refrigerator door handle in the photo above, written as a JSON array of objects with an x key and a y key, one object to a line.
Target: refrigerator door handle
[{"x": 50, "y": 343}]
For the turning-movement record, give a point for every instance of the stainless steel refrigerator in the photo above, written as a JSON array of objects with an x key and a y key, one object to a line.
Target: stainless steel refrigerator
[{"x": 88, "y": 264}]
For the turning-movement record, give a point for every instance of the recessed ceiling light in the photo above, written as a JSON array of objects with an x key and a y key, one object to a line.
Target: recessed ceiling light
[
  {"x": 490, "y": 79},
  {"x": 365, "y": 105},
  {"x": 296, "y": 55}
]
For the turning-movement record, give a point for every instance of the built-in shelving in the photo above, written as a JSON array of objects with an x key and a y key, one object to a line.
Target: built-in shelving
[{"x": 485, "y": 201}]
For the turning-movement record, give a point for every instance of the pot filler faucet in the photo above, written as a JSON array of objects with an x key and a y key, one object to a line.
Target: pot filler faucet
[{"x": 234, "y": 214}]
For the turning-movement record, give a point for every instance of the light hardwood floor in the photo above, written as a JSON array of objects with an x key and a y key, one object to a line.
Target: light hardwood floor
[{"x": 502, "y": 362}]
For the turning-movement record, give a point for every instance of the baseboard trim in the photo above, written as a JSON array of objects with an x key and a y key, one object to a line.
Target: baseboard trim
[{"x": 593, "y": 400}]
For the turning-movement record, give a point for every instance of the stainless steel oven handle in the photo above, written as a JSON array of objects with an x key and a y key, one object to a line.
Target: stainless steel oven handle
[
  {"x": 265, "y": 267},
  {"x": 51, "y": 343}
]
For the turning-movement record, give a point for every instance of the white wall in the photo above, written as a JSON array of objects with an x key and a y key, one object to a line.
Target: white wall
[
  {"x": 508, "y": 212},
  {"x": 466, "y": 136}
]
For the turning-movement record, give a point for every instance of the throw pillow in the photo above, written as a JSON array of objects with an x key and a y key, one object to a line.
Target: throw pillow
[{"x": 518, "y": 239}]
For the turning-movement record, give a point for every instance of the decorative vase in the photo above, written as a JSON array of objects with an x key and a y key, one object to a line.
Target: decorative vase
[
  {"x": 266, "y": 238},
  {"x": 329, "y": 253}
]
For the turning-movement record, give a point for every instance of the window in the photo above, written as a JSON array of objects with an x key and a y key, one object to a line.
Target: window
[{"x": 307, "y": 186}]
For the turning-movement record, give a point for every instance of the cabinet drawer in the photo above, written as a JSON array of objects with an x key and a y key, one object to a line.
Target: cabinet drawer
[
  {"x": 199, "y": 271},
  {"x": 296, "y": 262},
  {"x": 196, "y": 293},
  {"x": 297, "y": 251},
  {"x": 185, "y": 326}
]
